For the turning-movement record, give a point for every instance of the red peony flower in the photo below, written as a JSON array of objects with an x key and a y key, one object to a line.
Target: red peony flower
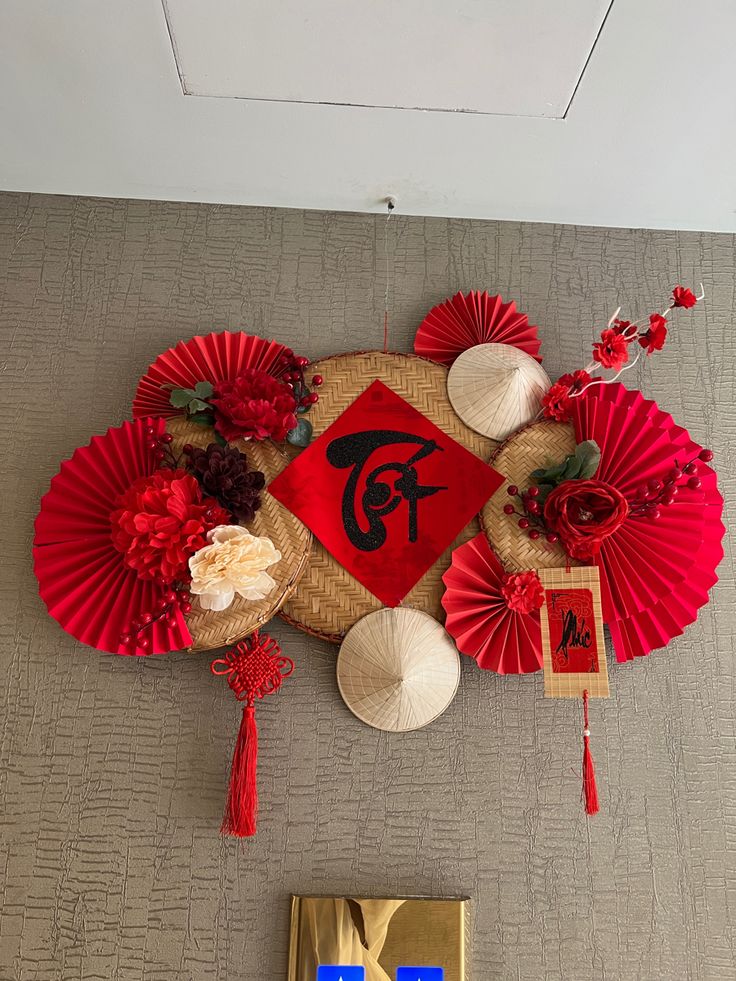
[
  {"x": 683, "y": 297},
  {"x": 612, "y": 351},
  {"x": 523, "y": 592},
  {"x": 558, "y": 400},
  {"x": 254, "y": 406},
  {"x": 584, "y": 513},
  {"x": 161, "y": 520},
  {"x": 653, "y": 339}
]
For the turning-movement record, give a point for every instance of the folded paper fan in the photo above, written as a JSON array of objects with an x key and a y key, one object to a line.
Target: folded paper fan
[
  {"x": 397, "y": 669},
  {"x": 483, "y": 626},
  {"x": 474, "y": 318},
  {"x": 81, "y": 575},
  {"x": 655, "y": 573},
  {"x": 213, "y": 358}
]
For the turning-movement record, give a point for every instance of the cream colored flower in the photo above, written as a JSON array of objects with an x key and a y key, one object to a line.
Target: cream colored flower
[{"x": 233, "y": 563}]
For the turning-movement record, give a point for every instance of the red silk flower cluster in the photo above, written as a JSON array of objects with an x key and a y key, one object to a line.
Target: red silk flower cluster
[
  {"x": 583, "y": 513},
  {"x": 523, "y": 591},
  {"x": 254, "y": 406},
  {"x": 161, "y": 521}
]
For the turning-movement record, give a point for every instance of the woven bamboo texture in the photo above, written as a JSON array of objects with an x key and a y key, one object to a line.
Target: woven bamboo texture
[
  {"x": 329, "y": 600},
  {"x": 209, "y": 629},
  {"x": 538, "y": 445}
]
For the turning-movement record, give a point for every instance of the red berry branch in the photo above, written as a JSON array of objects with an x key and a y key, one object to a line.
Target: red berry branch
[{"x": 661, "y": 493}]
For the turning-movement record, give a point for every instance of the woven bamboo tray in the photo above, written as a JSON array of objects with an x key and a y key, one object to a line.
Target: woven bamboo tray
[
  {"x": 538, "y": 445},
  {"x": 293, "y": 539},
  {"x": 329, "y": 600}
]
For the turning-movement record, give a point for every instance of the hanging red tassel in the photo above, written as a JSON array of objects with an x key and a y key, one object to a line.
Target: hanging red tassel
[
  {"x": 590, "y": 790},
  {"x": 254, "y": 668}
]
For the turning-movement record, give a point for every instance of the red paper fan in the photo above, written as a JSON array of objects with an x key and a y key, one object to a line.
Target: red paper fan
[
  {"x": 478, "y": 618},
  {"x": 82, "y": 578},
  {"x": 655, "y": 574},
  {"x": 476, "y": 318},
  {"x": 214, "y": 358}
]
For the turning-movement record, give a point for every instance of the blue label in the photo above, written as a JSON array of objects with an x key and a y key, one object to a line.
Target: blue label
[
  {"x": 420, "y": 974},
  {"x": 340, "y": 972}
]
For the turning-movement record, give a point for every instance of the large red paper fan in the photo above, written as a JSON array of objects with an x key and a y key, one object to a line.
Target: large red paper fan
[
  {"x": 478, "y": 618},
  {"x": 213, "y": 358},
  {"x": 81, "y": 575},
  {"x": 474, "y": 318},
  {"x": 655, "y": 574}
]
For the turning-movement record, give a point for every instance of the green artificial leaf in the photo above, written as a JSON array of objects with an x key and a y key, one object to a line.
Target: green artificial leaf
[
  {"x": 203, "y": 390},
  {"x": 572, "y": 468},
  {"x": 301, "y": 434},
  {"x": 203, "y": 418},
  {"x": 589, "y": 455},
  {"x": 219, "y": 438},
  {"x": 197, "y": 405},
  {"x": 181, "y": 397}
]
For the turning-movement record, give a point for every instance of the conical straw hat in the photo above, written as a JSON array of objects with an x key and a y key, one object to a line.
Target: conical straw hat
[
  {"x": 496, "y": 389},
  {"x": 398, "y": 669}
]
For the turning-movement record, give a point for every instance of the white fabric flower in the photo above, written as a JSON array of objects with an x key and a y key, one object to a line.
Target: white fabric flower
[{"x": 234, "y": 562}]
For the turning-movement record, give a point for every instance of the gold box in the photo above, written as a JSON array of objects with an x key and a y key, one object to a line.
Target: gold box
[{"x": 378, "y": 934}]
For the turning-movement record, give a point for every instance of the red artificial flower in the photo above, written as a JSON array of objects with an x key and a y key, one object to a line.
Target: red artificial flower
[
  {"x": 653, "y": 339},
  {"x": 523, "y": 592},
  {"x": 161, "y": 520},
  {"x": 612, "y": 351},
  {"x": 558, "y": 400},
  {"x": 621, "y": 326},
  {"x": 254, "y": 406},
  {"x": 683, "y": 297},
  {"x": 584, "y": 513}
]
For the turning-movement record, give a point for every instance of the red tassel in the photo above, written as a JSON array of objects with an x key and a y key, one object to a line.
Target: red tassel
[
  {"x": 590, "y": 790},
  {"x": 242, "y": 796}
]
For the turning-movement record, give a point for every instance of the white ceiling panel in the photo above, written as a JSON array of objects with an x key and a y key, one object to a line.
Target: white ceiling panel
[{"x": 507, "y": 57}]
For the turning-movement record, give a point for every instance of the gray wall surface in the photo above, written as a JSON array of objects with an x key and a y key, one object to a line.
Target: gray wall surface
[{"x": 112, "y": 770}]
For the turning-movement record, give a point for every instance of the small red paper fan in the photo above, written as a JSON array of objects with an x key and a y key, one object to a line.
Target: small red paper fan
[
  {"x": 655, "y": 574},
  {"x": 81, "y": 575},
  {"x": 478, "y": 618},
  {"x": 475, "y": 318},
  {"x": 213, "y": 358}
]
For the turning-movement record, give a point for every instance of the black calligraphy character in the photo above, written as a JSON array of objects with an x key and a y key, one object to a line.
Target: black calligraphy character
[
  {"x": 379, "y": 497},
  {"x": 572, "y": 635}
]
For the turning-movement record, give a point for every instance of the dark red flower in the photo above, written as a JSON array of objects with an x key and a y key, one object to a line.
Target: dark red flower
[
  {"x": 558, "y": 400},
  {"x": 621, "y": 326},
  {"x": 584, "y": 513},
  {"x": 612, "y": 351},
  {"x": 254, "y": 406},
  {"x": 160, "y": 521},
  {"x": 683, "y": 297},
  {"x": 653, "y": 339},
  {"x": 523, "y": 592}
]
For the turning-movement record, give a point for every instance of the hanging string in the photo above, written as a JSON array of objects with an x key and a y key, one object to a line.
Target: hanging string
[
  {"x": 390, "y": 205},
  {"x": 590, "y": 790}
]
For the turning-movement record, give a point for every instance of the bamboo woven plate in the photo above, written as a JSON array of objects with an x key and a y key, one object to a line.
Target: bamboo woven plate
[
  {"x": 398, "y": 669},
  {"x": 329, "y": 600},
  {"x": 208, "y": 628},
  {"x": 538, "y": 445},
  {"x": 496, "y": 388}
]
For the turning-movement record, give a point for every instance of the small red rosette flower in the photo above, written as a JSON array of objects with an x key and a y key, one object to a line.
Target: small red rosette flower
[
  {"x": 683, "y": 297},
  {"x": 254, "y": 406},
  {"x": 161, "y": 521},
  {"x": 612, "y": 351},
  {"x": 523, "y": 592},
  {"x": 653, "y": 339},
  {"x": 558, "y": 400},
  {"x": 584, "y": 513}
]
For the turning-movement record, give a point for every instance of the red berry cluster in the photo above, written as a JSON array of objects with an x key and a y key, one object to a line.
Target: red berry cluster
[
  {"x": 134, "y": 637},
  {"x": 656, "y": 494},
  {"x": 291, "y": 370},
  {"x": 531, "y": 519},
  {"x": 160, "y": 447}
]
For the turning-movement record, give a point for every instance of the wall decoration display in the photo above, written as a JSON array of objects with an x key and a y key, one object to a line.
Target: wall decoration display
[{"x": 189, "y": 526}]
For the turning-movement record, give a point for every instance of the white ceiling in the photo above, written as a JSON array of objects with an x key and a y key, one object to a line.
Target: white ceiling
[{"x": 534, "y": 110}]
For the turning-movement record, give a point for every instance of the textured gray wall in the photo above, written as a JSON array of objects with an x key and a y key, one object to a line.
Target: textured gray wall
[{"x": 113, "y": 769}]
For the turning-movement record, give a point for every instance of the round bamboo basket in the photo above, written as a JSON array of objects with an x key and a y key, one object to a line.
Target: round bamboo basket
[
  {"x": 329, "y": 600},
  {"x": 540, "y": 444},
  {"x": 209, "y": 629}
]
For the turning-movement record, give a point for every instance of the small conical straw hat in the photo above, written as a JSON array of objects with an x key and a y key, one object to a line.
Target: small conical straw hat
[
  {"x": 496, "y": 389},
  {"x": 398, "y": 669}
]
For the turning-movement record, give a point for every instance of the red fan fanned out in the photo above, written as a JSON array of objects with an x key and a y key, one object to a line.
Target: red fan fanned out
[
  {"x": 478, "y": 618},
  {"x": 214, "y": 358},
  {"x": 655, "y": 573},
  {"x": 475, "y": 318},
  {"x": 81, "y": 575}
]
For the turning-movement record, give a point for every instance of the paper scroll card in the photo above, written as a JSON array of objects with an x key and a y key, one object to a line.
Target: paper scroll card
[{"x": 573, "y": 646}]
